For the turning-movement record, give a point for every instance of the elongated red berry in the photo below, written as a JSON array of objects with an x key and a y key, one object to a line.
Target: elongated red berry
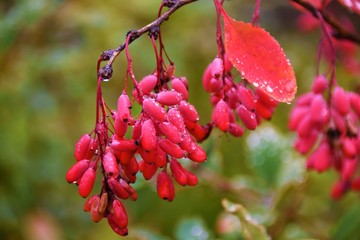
[
  {"x": 165, "y": 186},
  {"x": 192, "y": 179},
  {"x": 180, "y": 87},
  {"x": 247, "y": 117},
  {"x": 340, "y": 100},
  {"x": 305, "y": 127},
  {"x": 148, "y": 84},
  {"x": 320, "y": 84},
  {"x": 81, "y": 147},
  {"x": 148, "y": 137},
  {"x": 171, "y": 148},
  {"x": 236, "y": 130},
  {"x": 338, "y": 190},
  {"x": 220, "y": 115},
  {"x": 136, "y": 132},
  {"x": 125, "y": 157},
  {"x": 110, "y": 163},
  {"x": 124, "y": 145},
  {"x": 319, "y": 111},
  {"x": 120, "y": 126},
  {"x": 296, "y": 116},
  {"x": 160, "y": 157},
  {"x": 114, "y": 225},
  {"x": 148, "y": 169},
  {"x": 178, "y": 172},
  {"x": 217, "y": 68},
  {"x": 188, "y": 111},
  {"x": 197, "y": 154},
  {"x": 175, "y": 118},
  {"x": 156, "y": 111},
  {"x": 169, "y": 98},
  {"x": 263, "y": 111},
  {"x": 216, "y": 84},
  {"x": 117, "y": 188},
  {"x": 123, "y": 108},
  {"x": 200, "y": 133},
  {"x": 321, "y": 157},
  {"x": 147, "y": 156},
  {"x": 95, "y": 213},
  {"x": 349, "y": 147},
  {"x": 87, "y": 204},
  {"x": 349, "y": 168},
  {"x": 77, "y": 170},
  {"x": 120, "y": 214},
  {"x": 86, "y": 182},
  {"x": 206, "y": 78},
  {"x": 304, "y": 145},
  {"x": 170, "y": 132},
  {"x": 266, "y": 99},
  {"x": 246, "y": 98}
]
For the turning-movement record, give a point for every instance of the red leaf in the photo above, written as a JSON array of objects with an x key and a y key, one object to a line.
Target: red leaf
[{"x": 259, "y": 58}]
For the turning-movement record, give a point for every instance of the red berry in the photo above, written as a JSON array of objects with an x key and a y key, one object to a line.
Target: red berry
[
  {"x": 246, "y": 98},
  {"x": 123, "y": 108},
  {"x": 165, "y": 186},
  {"x": 340, "y": 100},
  {"x": 247, "y": 117},
  {"x": 320, "y": 84},
  {"x": 120, "y": 214},
  {"x": 81, "y": 147},
  {"x": 148, "y": 84},
  {"x": 176, "y": 119},
  {"x": 178, "y": 172},
  {"x": 170, "y": 132},
  {"x": 156, "y": 111},
  {"x": 114, "y": 225},
  {"x": 148, "y": 138},
  {"x": 171, "y": 148},
  {"x": 217, "y": 68},
  {"x": 180, "y": 87},
  {"x": 77, "y": 170},
  {"x": 124, "y": 145},
  {"x": 197, "y": 154},
  {"x": 87, "y": 204},
  {"x": 169, "y": 98},
  {"x": 117, "y": 188},
  {"x": 110, "y": 164},
  {"x": 220, "y": 115},
  {"x": 86, "y": 182},
  {"x": 148, "y": 170},
  {"x": 188, "y": 111}
]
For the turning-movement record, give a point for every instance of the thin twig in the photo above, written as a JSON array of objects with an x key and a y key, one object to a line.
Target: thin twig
[
  {"x": 110, "y": 55},
  {"x": 341, "y": 33}
]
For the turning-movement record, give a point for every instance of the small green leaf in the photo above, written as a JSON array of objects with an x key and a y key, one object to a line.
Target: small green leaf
[{"x": 250, "y": 228}]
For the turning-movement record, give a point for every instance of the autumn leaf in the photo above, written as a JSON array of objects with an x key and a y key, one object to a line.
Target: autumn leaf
[{"x": 259, "y": 58}]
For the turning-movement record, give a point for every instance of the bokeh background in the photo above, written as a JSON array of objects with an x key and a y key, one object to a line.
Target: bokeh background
[{"x": 48, "y": 54}]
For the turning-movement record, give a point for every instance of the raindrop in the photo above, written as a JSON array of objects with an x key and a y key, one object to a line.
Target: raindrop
[
  {"x": 105, "y": 79},
  {"x": 269, "y": 89}
]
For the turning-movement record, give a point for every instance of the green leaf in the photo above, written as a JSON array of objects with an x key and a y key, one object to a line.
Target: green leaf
[{"x": 250, "y": 228}]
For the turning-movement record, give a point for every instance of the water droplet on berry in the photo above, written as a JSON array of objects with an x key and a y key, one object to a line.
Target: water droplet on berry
[{"x": 105, "y": 79}]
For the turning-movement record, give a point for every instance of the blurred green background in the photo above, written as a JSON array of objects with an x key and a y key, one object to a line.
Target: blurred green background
[{"x": 48, "y": 54}]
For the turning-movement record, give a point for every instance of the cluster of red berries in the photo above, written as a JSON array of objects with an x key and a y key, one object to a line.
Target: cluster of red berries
[
  {"x": 326, "y": 121},
  {"x": 229, "y": 97},
  {"x": 164, "y": 134}
]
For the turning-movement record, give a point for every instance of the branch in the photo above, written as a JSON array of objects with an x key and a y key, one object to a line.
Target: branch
[
  {"x": 152, "y": 28},
  {"x": 341, "y": 33}
]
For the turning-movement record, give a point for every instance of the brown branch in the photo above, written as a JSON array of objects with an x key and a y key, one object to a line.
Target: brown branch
[
  {"x": 152, "y": 28},
  {"x": 341, "y": 33}
]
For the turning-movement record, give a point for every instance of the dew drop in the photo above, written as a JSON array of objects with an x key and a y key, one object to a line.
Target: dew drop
[
  {"x": 255, "y": 84},
  {"x": 105, "y": 79},
  {"x": 269, "y": 89}
]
